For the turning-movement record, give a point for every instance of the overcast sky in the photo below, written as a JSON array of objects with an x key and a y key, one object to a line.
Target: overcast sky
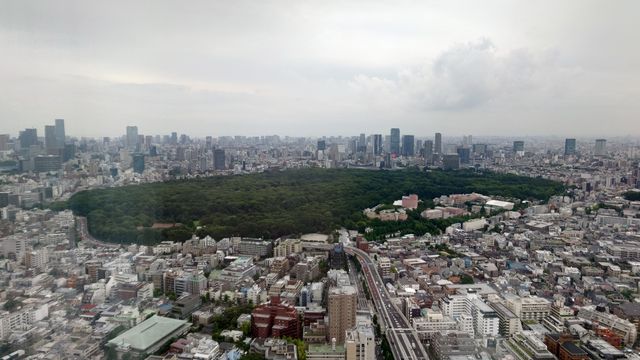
[{"x": 321, "y": 68}]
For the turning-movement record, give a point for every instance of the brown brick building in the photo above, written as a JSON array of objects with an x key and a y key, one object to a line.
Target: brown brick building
[{"x": 275, "y": 319}]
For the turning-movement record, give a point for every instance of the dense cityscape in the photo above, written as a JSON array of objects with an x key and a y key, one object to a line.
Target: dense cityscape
[
  {"x": 319, "y": 180},
  {"x": 495, "y": 276}
]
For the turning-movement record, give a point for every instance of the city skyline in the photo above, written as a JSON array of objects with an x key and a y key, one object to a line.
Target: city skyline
[{"x": 312, "y": 70}]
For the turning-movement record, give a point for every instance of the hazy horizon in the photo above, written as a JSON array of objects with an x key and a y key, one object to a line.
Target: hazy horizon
[{"x": 490, "y": 68}]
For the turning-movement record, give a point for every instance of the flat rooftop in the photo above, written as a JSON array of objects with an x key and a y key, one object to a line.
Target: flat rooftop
[{"x": 148, "y": 333}]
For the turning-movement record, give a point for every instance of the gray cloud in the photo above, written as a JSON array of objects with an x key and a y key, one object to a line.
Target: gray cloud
[{"x": 308, "y": 68}]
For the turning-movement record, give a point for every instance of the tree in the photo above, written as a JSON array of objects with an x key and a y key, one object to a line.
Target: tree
[
  {"x": 315, "y": 200},
  {"x": 11, "y": 304},
  {"x": 466, "y": 279}
]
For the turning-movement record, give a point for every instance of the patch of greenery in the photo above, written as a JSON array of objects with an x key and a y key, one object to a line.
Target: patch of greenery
[
  {"x": 274, "y": 204},
  {"x": 632, "y": 195}
]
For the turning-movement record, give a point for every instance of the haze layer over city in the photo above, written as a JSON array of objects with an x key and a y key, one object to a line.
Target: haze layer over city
[{"x": 296, "y": 180}]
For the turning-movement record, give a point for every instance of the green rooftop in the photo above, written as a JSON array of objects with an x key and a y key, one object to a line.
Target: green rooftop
[{"x": 150, "y": 333}]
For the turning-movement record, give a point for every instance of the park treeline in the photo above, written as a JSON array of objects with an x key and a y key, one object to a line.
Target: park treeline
[{"x": 273, "y": 204}]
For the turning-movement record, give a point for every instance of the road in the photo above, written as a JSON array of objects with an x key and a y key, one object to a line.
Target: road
[
  {"x": 402, "y": 338},
  {"x": 87, "y": 239}
]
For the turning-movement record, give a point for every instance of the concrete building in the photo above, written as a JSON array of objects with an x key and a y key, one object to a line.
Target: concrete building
[
  {"x": 255, "y": 247},
  {"x": 342, "y": 306},
  {"x": 360, "y": 342},
  {"x": 526, "y": 345},
  {"x": 286, "y": 247},
  {"x": 529, "y": 308},
  {"x": 394, "y": 145},
  {"x": 450, "y": 161},
  {"x": 47, "y": 163},
  {"x": 621, "y": 327},
  {"x": 449, "y": 345},
  {"x": 185, "y": 306},
  {"x": 509, "y": 323}
]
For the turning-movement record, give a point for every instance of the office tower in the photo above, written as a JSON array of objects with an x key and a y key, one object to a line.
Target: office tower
[
  {"x": 174, "y": 138},
  {"x": 386, "y": 144},
  {"x": 322, "y": 145},
  {"x": 601, "y": 147},
  {"x": 377, "y": 144},
  {"x": 428, "y": 150},
  {"x": 387, "y": 161},
  {"x": 419, "y": 148},
  {"x": 394, "y": 146},
  {"x": 50, "y": 140},
  {"x": 60, "y": 134},
  {"x": 69, "y": 152},
  {"x": 479, "y": 149},
  {"x": 464, "y": 153},
  {"x": 362, "y": 143},
  {"x": 4, "y": 142},
  {"x": 28, "y": 138},
  {"x": 132, "y": 136},
  {"x": 148, "y": 140},
  {"x": 138, "y": 163},
  {"x": 518, "y": 146},
  {"x": 569, "y": 146},
  {"x": 408, "y": 143},
  {"x": 219, "y": 159},
  {"x": 438, "y": 144},
  {"x": 342, "y": 311},
  {"x": 450, "y": 161}
]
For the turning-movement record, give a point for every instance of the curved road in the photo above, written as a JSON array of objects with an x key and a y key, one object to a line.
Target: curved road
[{"x": 83, "y": 232}]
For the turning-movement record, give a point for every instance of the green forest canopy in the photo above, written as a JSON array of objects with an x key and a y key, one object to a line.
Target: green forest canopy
[{"x": 274, "y": 204}]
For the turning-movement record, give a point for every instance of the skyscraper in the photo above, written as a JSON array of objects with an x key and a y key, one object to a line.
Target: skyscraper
[
  {"x": 50, "y": 139},
  {"x": 322, "y": 145},
  {"x": 132, "y": 136},
  {"x": 569, "y": 146},
  {"x": 377, "y": 144},
  {"x": 438, "y": 144},
  {"x": 28, "y": 137},
  {"x": 601, "y": 147},
  {"x": 408, "y": 144},
  {"x": 342, "y": 311},
  {"x": 219, "y": 159},
  {"x": 138, "y": 163},
  {"x": 362, "y": 143},
  {"x": 59, "y": 133},
  {"x": 428, "y": 151},
  {"x": 4, "y": 142},
  {"x": 464, "y": 153},
  {"x": 394, "y": 145},
  {"x": 451, "y": 161}
]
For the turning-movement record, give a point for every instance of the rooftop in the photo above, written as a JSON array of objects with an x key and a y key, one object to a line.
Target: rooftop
[{"x": 148, "y": 332}]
